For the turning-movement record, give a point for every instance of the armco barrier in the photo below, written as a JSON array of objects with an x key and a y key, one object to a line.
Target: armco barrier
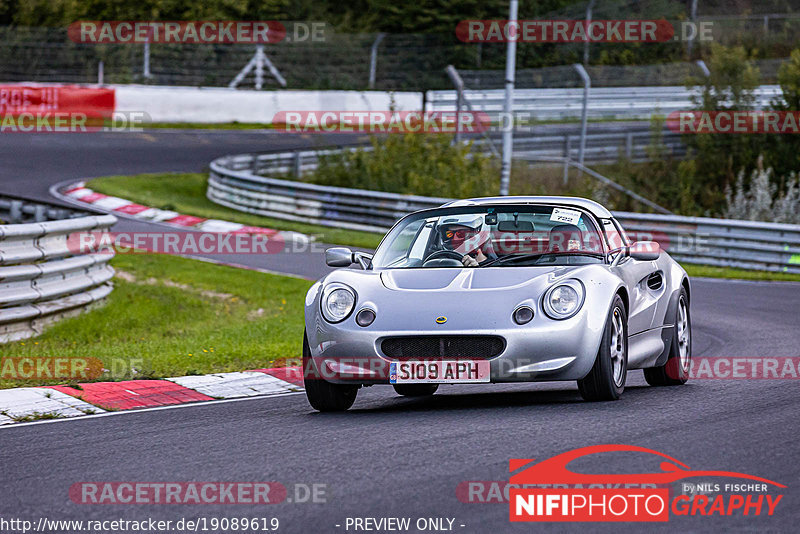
[
  {"x": 604, "y": 102},
  {"x": 41, "y": 279},
  {"x": 239, "y": 182}
]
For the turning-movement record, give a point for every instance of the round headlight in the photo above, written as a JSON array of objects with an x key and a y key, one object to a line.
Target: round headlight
[
  {"x": 337, "y": 303},
  {"x": 564, "y": 300}
]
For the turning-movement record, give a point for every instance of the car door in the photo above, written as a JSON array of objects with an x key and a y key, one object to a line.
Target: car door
[{"x": 636, "y": 275}]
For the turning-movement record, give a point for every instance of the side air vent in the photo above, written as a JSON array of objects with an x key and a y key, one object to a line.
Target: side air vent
[{"x": 655, "y": 281}]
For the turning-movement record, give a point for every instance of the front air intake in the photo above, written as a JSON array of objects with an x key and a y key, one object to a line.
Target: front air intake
[{"x": 442, "y": 347}]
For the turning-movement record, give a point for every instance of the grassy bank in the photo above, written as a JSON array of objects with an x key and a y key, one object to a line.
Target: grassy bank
[
  {"x": 170, "y": 316},
  {"x": 186, "y": 193}
]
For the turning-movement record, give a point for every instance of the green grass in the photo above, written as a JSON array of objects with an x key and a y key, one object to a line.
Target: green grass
[
  {"x": 37, "y": 416},
  {"x": 738, "y": 274},
  {"x": 171, "y": 316},
  {"x": 186, "y": 193}
]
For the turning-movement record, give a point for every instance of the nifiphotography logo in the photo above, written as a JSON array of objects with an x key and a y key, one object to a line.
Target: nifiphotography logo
[{"x": 549, "y": 491}]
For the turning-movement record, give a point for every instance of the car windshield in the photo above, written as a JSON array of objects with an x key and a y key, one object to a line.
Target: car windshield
[{"x": 492, "y": 236}]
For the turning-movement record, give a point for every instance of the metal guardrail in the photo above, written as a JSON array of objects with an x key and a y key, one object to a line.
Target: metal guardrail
[
  {"x": 606, "y": 147},
  {"x": 14, "y": 210},
  {"x": 721, "y": 242},
  {"x": 604, "y": 102},
  {"x": 235, "y": 182},
  {"x": 42, "y": 279}
]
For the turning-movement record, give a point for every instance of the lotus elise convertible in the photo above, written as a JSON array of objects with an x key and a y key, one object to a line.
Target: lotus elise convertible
[{"x": 493, "y": 290}]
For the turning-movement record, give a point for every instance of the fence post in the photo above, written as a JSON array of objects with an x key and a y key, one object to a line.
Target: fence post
[
  {"x": 588, "y": 23},
  {"x": 508, "y": 133},
  {"x": 100, "y": 74},
  {"x": 587, "y": 83},
  {"x": 373, "y": 59},
  {"x": 452, "y": 73},
  {"x": 567, "y": 150},
  {"x": 146, "y": 60},
  {"x": 693, "y": 18}
]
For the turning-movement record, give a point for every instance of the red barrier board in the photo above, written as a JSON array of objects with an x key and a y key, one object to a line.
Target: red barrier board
[{"x": 35, "y": 99}]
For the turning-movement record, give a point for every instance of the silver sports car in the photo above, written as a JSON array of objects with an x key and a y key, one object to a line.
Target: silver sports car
[{"x": 508, "y": 289}]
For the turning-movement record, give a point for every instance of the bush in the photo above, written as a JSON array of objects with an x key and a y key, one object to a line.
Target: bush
[
  {"x": 761, "y": 201},
  {"x": 428, "y": 165}
]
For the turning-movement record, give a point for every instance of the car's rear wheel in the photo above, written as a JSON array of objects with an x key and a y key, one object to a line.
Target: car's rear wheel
[
  {"x": 415, "y": 390},
  {"x": 606, "y": 380},
  {"x": 676, "y": 369},
  {"x": 323, "y": 395}
]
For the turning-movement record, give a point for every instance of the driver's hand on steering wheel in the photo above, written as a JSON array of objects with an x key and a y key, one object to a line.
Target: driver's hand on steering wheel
[{"x": 469, "y": 261}]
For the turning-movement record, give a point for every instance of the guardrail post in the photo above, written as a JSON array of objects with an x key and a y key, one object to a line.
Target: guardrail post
[
  {"x": 16, "y": 211},
  {"x": 39, "y": 213},
  {"x": 567, "y": 151},
  {"x": 100, "y": 73},
  {"x": 629, "y": 145},
  {"x": 298, "y": 163}
]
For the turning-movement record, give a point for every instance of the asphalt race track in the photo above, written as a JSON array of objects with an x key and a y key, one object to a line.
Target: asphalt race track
[{"x": 391, "y": 456}]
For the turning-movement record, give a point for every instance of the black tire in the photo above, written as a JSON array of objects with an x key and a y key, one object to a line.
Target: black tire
[
  {"x": 675, "y": 370},
  {"x": 415, "y": 390},
  {"x": 323, "y": 395},
  {"x": 600, "y": 384}
]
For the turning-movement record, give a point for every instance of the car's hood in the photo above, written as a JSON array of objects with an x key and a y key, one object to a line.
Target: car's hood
[
  {"x": 470, "y": 298},
  {"x": 462, "y": 279}
]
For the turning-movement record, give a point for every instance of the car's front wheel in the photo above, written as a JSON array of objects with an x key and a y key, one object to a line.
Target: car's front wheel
[
  {"x": 606, "y": 380},
  {"x": 415, "y": 390},
  {"x": 323, "y": 395}
]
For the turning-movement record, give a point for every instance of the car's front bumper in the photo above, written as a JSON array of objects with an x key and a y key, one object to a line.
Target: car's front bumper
[{"x": 544, "y": 349}]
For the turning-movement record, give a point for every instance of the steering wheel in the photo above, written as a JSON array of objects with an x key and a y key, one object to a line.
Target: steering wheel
[{"x": 440, "y": 255}]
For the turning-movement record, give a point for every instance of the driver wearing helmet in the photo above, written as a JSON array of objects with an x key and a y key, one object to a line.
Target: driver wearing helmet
[{"x": 469, "y": 238}]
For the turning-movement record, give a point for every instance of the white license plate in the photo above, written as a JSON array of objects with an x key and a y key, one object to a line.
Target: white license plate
[{"x": 439, "y": 372}]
